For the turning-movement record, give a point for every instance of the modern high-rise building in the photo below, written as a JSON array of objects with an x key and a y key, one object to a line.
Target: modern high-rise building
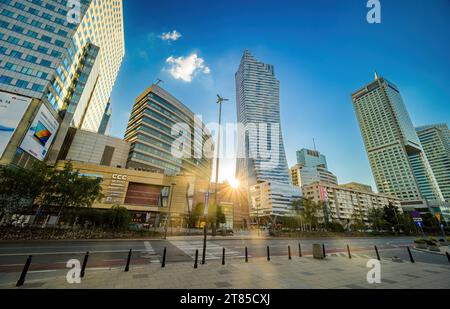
[
  {"x": 261, "y": 155},
  {"x": 105, "y": 124},
  {"x": 311, "y": 167},
  {"x": 435, "y": 141},
  {"x": 64, "y": 55},
  {"x": 398, "y": 162},
  {"x": 153, "y": 134}
]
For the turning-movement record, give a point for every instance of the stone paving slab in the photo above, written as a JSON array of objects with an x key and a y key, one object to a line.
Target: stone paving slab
[{"x": 280, "y": 273}]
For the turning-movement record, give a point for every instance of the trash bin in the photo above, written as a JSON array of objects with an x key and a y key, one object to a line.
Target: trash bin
[{"x": 318, "y": 252}]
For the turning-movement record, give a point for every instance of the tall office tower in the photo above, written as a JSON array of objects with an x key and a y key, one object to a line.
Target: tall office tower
[
  {"x": 105, "y": 124},
  {"x": 261, "y": 159},
  {"x": 154, "y": 115},
  {"x": 311, "y": 167},
  {"x": 261, "y": 155},
  {"x": 435, "y": 141},
  {"x": 398, "y": 162},
  {"x": 67, "y": 56}
]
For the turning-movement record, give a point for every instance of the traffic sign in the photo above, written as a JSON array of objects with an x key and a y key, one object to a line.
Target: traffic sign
[{"x": 418, "y": 219}]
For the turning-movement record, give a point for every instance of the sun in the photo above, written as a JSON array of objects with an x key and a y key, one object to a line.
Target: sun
[{"x": 234, "y": 183}]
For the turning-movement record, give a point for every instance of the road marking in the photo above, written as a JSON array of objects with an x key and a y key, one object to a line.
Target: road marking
[
  {"x": 64, "y": 253},
  {"x": 41, "y": 271},
  {"x": 150, "y": 253},
  {"x": 213, "y": 251}
]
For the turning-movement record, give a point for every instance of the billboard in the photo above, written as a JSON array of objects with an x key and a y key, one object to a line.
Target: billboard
[
  {"x": 41, "y": 133},
  {"x": 12, "y": 109}
]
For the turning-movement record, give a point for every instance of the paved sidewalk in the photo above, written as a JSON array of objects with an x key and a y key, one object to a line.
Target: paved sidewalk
[{"x": 280, "y": 273}]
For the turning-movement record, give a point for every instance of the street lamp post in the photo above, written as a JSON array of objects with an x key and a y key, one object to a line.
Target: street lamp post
[
  {"x": 168, "y": 221},
  {"x": 220, "y": 100}
]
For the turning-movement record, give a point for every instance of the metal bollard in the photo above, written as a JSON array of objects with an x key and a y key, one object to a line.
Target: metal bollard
[
  {"x": 223, "y": 256},
  {"x": 349, "y": 253},
  {"x": 448, "y": 256},
  {"x": 324, "y": 252},
  {"x": 83, "y": 268},
  {"x": 378, "y": 254},
  {"x": 289, "y": 253},
  {"x": 21, "y": 281},
  {"x": 268, "y": 253},
  {"x": 127, "y": 267},
  {"x": 164, "y": 258},
  {"x": 246, "y": 255},
  {"x": 299, "y": 250},
  {"x": 196, "y": 259},
  {"x": 410, "y": 255}
]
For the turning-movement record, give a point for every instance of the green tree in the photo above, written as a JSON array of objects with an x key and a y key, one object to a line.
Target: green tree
[
  {"x": 376, "y": 219},
  {"x": 311, "y": 211},
  {"x": 66, "y": 188},
  {"x": 119, "y": 218},
  {"x": 196, "y": 215},
  {"x": 19, "y": 187},
  {"x": 220, "y": 216},
  {"x": 357, "y": 221},
  {"x": 390, "y": 217}
]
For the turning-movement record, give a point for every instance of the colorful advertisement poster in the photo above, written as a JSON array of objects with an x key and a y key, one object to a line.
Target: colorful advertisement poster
[
  {"x": 12, "y": 109},
  {"x": 41, "y": 134}
]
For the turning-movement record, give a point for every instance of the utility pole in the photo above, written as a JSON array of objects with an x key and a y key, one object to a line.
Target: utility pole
[{"x": 220, "y": 100}]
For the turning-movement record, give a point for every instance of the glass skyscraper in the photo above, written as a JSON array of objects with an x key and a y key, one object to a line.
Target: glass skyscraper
[
  {"x": 261, "y": 158},
  {"x": 261, "y": 155},
  {"x": 435, "y": 140},
  {"x": 152, "y": 133},
  {"x": 69, "y": 61},
  {"x": 398, "y": 162}
]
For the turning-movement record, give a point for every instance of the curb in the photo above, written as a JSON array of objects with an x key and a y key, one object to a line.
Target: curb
[{"x": 428, "y": 251}]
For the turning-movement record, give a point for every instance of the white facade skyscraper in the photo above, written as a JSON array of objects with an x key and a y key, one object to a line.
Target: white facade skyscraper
[
  {"x": 261, "y": 155},
  {"x": 399, "y": 165}
]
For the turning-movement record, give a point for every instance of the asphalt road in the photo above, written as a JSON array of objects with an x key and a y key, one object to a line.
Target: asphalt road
[{"x": 50, "y": 257}]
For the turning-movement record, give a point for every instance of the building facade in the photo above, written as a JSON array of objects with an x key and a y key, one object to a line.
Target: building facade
[
  {"x": 435, "y": 140},
  {"x": 311, "y": 167},
  {"x": 271, "y": 199},
  {"x": 342, "y": 202},
  {"x": 258, "y": 107},
  {"x": 261, "y": 155},
  {"x": 398, "y": 162},
  {"x": 67, "y": 57},
  {"x": 94, "y": 148},
  {"x": 158, "y": 124},
  {"x": 153, "y": 199}
]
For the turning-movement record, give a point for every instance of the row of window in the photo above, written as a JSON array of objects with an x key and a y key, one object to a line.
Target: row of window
[{"x": 6, "y": 80}]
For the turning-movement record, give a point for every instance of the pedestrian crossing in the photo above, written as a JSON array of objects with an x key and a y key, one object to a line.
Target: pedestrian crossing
[
  {"x": 354, "y": 255},
  {"x": 150, "y": 253},
  {"x": 213, "y": 251}
]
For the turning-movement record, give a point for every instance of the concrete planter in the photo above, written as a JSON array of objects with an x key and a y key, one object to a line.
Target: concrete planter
[
  {"x": 435, "y": 248},
  {"x": 421, "y": 246}
]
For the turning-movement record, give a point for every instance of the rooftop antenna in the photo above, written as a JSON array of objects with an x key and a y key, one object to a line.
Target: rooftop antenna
[
  {"x": 158, "y": 81},
  {"x": 376, "y": 76},
  {"x": 314, "y": 142}
]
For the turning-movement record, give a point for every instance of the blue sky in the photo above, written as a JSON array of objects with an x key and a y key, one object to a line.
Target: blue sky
[{"x": 322, "y": 50}]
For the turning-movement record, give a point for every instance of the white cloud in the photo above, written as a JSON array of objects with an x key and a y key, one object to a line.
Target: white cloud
[
  {"x": 185, "y": 68},
  {"x": 170, "y": 36}
]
